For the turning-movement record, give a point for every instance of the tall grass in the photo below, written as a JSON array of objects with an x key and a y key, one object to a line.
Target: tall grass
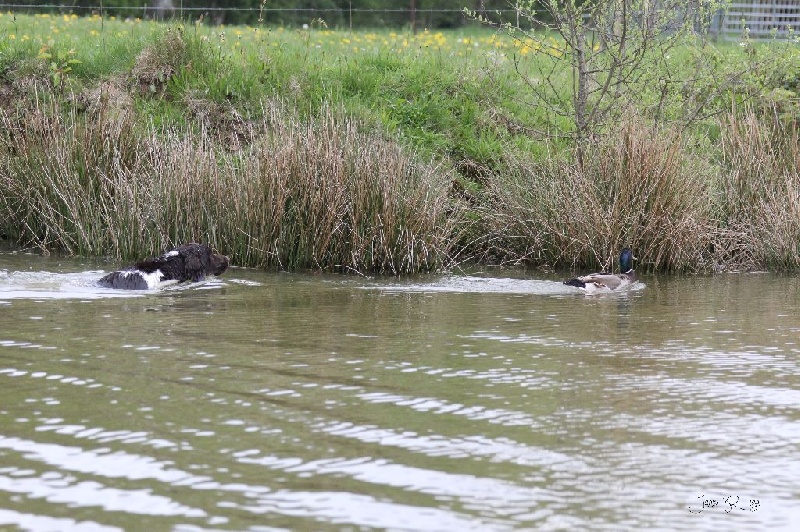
[
  {"x": 759, "y": 198},
  {"x": 326, "y": 193},
  {"x": 637, "y": 187},
  {"x": 652, "y": 190},
  {"x": 56, "y": 174},
  {"x": 319, "y": 194}
]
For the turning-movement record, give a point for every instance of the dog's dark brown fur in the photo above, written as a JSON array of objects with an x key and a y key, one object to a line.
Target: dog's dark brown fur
[{"x": 189, "y": 262}]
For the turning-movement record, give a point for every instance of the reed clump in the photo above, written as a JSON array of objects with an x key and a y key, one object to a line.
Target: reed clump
[
  {"x": 759, "y": 192},
  {"x": 637, "y": 186},
  {"x": 321, "y": 193}
]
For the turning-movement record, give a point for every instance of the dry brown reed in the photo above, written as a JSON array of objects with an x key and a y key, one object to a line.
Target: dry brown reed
[
  {"x": 157, "y": 63},
  {"x": 319, "y": 194},
  {"x": 759, "y": 199},
  {"x": 637, "y": 187}
]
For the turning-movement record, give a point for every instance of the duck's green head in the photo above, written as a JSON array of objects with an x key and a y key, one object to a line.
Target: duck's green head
[{"x": 626, "y": 260}]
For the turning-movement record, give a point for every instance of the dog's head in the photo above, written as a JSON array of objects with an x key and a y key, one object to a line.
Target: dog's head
[{"x": 200, "y": 260}]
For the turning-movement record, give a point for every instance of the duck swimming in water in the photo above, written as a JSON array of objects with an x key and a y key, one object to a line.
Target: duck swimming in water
[{"x": 608, "y": 281}]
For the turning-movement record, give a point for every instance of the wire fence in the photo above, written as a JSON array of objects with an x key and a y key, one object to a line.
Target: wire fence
[
  {"x": 759, "y": 19},
  {"x": 762, "y": 19},
  {"x": 332, "y": 16}
]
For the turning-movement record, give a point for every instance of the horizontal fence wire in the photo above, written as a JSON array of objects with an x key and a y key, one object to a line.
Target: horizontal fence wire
[
  {"x": 71, "y": 7},
  {"x": 332, "y": 15},
  {"x": 762, "y": 19}
]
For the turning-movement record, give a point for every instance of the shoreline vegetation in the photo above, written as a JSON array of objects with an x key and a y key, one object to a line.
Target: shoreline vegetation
[{"x": 383, "y": 152}]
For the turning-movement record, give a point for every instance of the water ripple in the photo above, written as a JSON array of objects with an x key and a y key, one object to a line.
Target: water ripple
[
  {"x": 44, "y": 523},
  {"x": 473, "y": 447},
  {"x": 343, "y": 508},
  {"x": 498, "y": 494},
  {"x": 438, "y": 406},
  {"x": 65, "y": 490}
]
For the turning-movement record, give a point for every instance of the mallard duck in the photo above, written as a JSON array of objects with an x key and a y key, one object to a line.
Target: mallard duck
[{"x": 609, "y": 281}]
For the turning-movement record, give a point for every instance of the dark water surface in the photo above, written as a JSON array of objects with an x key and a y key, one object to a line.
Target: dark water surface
[{"x": 496, "y": 401}]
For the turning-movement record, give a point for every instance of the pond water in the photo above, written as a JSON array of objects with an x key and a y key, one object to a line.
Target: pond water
[{"x": 497, "y": 400}]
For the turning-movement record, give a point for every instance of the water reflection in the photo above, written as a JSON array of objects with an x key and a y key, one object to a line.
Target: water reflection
[{"x": 492, "y": 402}]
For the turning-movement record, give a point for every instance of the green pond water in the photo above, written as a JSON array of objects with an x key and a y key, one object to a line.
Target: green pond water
[{"x": 496, "y": 400}]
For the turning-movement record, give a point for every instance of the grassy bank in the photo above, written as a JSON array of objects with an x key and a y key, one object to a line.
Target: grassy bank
[{"x": 373, "y": 152}]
